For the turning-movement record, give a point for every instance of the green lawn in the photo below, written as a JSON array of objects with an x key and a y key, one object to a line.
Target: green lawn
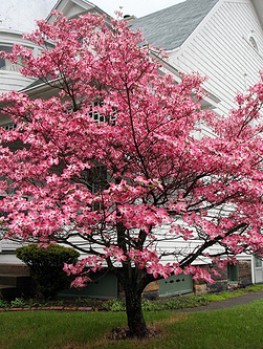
[{"x": 236, "y": 328}]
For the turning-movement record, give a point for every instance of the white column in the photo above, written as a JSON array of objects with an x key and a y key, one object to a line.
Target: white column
[{"x": 253, "y": 269}]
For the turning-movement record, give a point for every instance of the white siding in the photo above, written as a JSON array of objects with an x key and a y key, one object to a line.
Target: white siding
[
  {"x": 219, "y": 50},
  {"x": 14, "y": 81},
  {"x": 71, "y": 8},
  {"x": 9, "y": 245}
]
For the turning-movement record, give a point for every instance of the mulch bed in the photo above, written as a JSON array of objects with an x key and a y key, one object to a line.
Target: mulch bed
[{"x": 122, "y": 333}]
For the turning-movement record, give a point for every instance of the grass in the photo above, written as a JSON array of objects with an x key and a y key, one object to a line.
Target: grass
[
  {"x": 221, "y": 296},
  {"x": 236, "y": 328}
]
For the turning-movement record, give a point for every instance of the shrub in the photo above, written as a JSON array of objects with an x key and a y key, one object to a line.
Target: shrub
[
  {"x": 18, "y": 303},
  {"x": 148, "y": 305},
  {"x": 3, "y": 303},
  {"x": 46, "y": 265},
  {"x": 114, "y": 305},
  {"x": 181, "y": 302}
]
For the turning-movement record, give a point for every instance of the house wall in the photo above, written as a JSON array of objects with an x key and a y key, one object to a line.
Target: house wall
[
  {"x": 104, "y": 285},
  {"x": 7, "y": 252},
  {"x": 71, "y": 8},
  {"x": 258, "y": 271},
  {"x": 10, "y": 77},
  {"x": 219, "y": 49},
  {"x": 245, "y": 277},
  {"x": 12, "y": 80},
  {"x": 175, "y": 285}
]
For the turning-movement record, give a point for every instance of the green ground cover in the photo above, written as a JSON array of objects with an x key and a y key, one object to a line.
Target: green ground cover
[{"x": 236, "y": 328}]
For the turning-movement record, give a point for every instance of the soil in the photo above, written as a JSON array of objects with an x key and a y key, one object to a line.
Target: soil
[{"x": 121, "y": 333}]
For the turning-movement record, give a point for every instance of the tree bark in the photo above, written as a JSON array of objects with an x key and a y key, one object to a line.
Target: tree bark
[
  {"x": 133, "y": 282},
  {"x": 136, "y": 322}
]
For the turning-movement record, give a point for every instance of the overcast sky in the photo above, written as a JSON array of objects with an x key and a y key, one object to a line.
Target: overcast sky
[{"x": 138, "y": 8}]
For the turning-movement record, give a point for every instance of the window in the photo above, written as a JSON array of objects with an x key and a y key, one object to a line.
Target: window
[
  {"x": 4, "y": 64},
  {"x": 98, "y": 117},
  {"x": 8, "y": 127},
  {"x": 96, "y": 179}
]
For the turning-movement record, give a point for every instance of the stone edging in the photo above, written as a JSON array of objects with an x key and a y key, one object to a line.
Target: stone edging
[{"x": 56, "y": 308}]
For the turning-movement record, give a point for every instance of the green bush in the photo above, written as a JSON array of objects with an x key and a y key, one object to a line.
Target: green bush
[
  {"x": 46, "y": 265},
  {"x": 18, "y": 303},
  {"x": 148, "y": 305},
  {"x": 114, "y": 305},
  {"x": 180, "y": 302},
  {"x": 3, "y": 303}
]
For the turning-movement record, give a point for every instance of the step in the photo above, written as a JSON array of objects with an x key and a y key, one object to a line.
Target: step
[
  {"x": 14, "y": 280},
  {"x": 6, "y": 287},
  {"x": 17, "y": 269}
]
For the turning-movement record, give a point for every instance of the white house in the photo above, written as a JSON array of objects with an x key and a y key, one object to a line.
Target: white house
[
  {"x": 220, "y": 39},
  {"x": 18, "y": 17}
]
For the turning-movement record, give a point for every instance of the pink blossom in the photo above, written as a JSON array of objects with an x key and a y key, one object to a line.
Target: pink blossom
[{"x": 112, "y": 166}]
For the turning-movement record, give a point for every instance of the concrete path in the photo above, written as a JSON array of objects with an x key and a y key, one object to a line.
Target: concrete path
[{"x": 247, "y": 298}]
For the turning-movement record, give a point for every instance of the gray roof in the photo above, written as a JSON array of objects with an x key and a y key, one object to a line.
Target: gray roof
[{"x": 169, "y": 28}]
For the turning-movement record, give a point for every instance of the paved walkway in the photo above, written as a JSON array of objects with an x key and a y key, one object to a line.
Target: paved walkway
[{"x": 247, "y": 298}]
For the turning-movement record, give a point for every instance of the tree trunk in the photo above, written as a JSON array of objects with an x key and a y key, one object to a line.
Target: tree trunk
[
  {"x": 136, "y": 322},
  {"x": 133, "y": 282}
]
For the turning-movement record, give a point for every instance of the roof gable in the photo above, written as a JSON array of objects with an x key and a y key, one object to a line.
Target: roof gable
[
  {"x": 169, "y": 28},
  {"x": 74, "y": 8}
]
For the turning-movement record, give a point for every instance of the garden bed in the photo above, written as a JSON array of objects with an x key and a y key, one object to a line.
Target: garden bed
[{"x": 116, "y": 305}]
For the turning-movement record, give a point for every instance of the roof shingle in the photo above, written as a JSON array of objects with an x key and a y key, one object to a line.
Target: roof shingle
[{"x": 170, "y": 27}]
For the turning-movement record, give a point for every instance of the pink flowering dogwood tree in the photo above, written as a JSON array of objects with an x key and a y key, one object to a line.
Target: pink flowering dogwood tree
[{"x": 115, "y": 163}]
